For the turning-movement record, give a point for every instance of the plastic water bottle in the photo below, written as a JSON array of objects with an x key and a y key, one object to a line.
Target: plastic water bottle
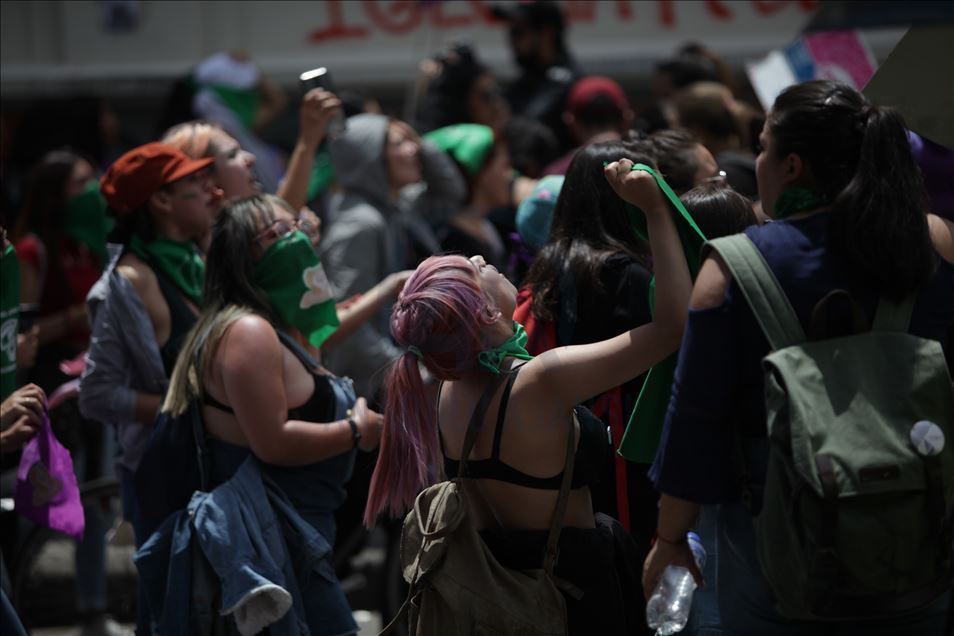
[{"x": 668, "y": 609}]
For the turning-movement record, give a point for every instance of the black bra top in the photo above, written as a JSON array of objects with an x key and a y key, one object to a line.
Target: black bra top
[
  {"x": 320, "y": 407},
  {"x": 181, "y": 318},
  {"x": 592, "y": 452}
]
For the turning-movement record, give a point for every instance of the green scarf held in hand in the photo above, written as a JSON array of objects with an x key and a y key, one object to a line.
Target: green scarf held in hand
[
  {"x": 292, "y": 277},
  {"x": 515, "y": 346},
  {"x": 644, "y": 429},
  {"x": 9, "y": 319},
  {"x": 85, "y": 221},
  {"x": 179, "y": 261}
]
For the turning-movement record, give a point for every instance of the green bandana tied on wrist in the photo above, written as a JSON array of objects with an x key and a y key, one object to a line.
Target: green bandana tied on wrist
[
  {"x": 292, "y": 277},
  {"x": 645, "y": 425},
  {"x": 795, "y": 200},
  {"x": 9, "y": 319},
  {"x": 515, "y": 346},
  {"x": 86, "y": 221},
  {"x": 179, "y": 261}
]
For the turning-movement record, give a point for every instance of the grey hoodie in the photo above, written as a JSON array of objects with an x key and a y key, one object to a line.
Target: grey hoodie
[{"x": 367, "y": 237}]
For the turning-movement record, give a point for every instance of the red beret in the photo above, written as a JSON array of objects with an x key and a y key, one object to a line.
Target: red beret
[{"x": 139, "y": 173}]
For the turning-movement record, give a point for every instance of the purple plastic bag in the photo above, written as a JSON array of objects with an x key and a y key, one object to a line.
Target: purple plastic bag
[{"x": 46, "y": 491}]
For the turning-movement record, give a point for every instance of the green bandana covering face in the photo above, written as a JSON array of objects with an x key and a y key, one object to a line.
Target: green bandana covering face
[
  {"x": 179, "y": 261},
  {"x": 9, "y": 316},
  {"x": 468, "y": 144},
  {"x": 243, "y": 102},
  {"x": 515, "y": 346},
  {"x": 795, "y": 200},
  {"x": 642, "y": 434},
  {"x": 86, "y": 221},
  {"x": 292, "y": 277}
]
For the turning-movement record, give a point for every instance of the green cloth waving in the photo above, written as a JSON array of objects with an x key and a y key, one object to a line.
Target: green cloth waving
[
  {"x": 515, "y": 346},
  {"x": 642, "y": 434},
  {"x": 292, "y": 277},
  {"x": 179, "y": 261}
]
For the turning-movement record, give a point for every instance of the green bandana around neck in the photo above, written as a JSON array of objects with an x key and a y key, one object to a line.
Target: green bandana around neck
[
  {"x": 9, "y": 318},
  {"x": 645, "y": 425},
  {"x": 291, "y": 275},
  {"x": 179, "y": 261},
  {"x": 795, "y": 200},
  {"x": 515, "y": 346},
  {"x": 468, "y": 144},
  {"x": 86, "y": 221}
]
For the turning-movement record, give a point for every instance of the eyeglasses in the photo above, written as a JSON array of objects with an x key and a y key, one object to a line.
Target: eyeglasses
[
  {"x": 282, "y": 228},
  {"x": 718, "y": 178}
]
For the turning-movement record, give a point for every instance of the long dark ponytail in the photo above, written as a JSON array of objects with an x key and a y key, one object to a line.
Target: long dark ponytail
[{"x": 861, "y": 160}]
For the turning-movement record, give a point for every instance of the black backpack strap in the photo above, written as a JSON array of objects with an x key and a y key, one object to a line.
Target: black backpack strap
[
  {"x": 502, "y": 413},
  {"x": 477, "y": 420},
  {"x": 290, "y": 343}
]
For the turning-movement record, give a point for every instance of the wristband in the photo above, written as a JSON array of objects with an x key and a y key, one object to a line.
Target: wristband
[{"x": 355, "y": 434}]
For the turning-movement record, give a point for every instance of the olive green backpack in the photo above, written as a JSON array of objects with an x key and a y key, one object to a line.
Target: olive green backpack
[{"x": 857, "y": 514}]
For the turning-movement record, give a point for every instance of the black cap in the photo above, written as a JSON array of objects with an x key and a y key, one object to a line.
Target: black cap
[{"x": 534, "y": 13}]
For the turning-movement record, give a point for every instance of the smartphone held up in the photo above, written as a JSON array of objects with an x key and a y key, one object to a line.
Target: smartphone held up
[{"x": 321, "y": 78}]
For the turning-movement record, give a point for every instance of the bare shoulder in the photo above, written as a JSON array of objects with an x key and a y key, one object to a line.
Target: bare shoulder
[
  {"x": 942, "y": 236},
  {"x": 250, "y": 338},
  {"x": 711, "y": 283},
  {"x": 139, "y": 275}
]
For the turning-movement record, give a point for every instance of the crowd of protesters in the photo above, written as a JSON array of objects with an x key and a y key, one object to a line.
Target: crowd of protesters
[{"x": 400, "y": 268}]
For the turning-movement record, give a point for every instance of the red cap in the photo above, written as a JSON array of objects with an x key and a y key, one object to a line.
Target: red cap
[
  {"x": 586, "y": 90},
  {"x": 139, "y": 173}
]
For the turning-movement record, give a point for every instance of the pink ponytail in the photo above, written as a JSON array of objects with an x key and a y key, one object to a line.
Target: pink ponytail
[{"x": 441, "y": 312}]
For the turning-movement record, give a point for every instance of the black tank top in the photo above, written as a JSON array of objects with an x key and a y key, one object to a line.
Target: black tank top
[
  {"x": 181, "y": 319},
  {"x": 592, "y": 452},
  {"x": 320, "y": 407}
]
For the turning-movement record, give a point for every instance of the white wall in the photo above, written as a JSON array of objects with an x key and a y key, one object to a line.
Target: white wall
[{"x": 56, "y": 47}]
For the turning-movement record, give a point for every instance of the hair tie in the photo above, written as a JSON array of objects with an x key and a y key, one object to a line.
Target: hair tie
[{"x": 415, "y": 351}]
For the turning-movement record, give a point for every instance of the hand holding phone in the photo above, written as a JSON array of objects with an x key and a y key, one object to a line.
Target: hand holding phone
[{"x": 318, "y": 108}]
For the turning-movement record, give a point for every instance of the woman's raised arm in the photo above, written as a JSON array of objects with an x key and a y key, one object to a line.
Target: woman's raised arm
[{"x": 579, "y": 372}]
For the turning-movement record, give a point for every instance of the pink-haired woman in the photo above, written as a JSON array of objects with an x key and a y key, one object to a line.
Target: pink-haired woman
[{"x": 455, "y": 315}]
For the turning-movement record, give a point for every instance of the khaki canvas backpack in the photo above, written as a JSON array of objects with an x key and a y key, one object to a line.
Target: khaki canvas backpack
[
  {"x": 456, "y": 585},
  {"x": 857, "y": 514}
]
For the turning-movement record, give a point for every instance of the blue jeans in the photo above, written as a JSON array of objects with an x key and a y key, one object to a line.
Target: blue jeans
[
  {"x": 127, "y": 490},
  {"x": 10, "y": 624},
  {"x": 747, "y": 607},
  {"x": 704, "y": 616},
  {"x": 89, "y": 463}
]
